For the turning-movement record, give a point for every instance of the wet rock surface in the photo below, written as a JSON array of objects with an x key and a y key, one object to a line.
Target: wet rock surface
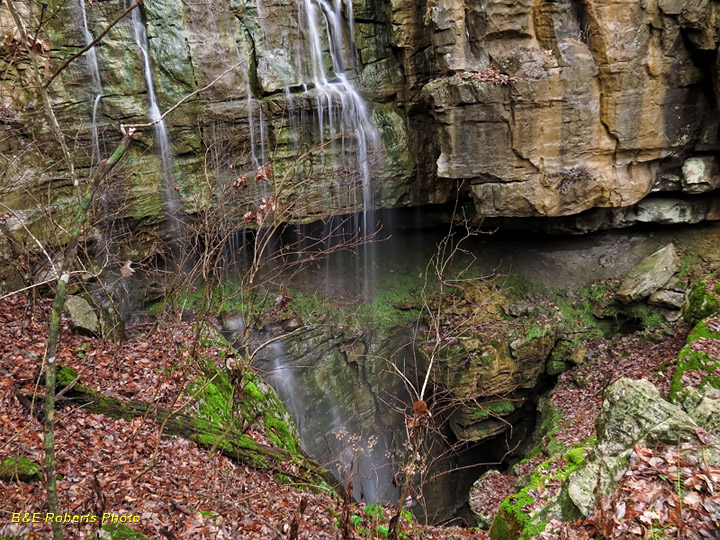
[{"x": 541, "y": 109}]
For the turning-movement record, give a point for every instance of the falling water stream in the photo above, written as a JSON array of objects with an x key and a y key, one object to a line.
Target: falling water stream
[
  {"x": 336, "y": 90},
  {"x": 348, "y": 137},
  {"x": 95, "y": 77},
  {"x": 162, "y": 140}
]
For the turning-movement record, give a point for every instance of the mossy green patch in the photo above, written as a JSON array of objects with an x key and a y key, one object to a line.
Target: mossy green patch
[
  {"x": 119, "y": 531},
  {"x": 512, "y": 522},
  {"x": 214, "y": 395},
  {"x": 689, "y": 359},
  {"x": 494, "y": 408},
  {"x": 702, "y": 302},
  {"x": 647, "y": 315},
  {"x": 65, "y": 375},
  {"x": 20, "y": 468},
  {"x": 701, "y": 330},
  {"x": 518, "y": 519},
  {"x": 576, "y": 455}
]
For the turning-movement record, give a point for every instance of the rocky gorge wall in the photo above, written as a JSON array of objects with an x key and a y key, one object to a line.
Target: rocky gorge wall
[{"x": 537, "y": 108}]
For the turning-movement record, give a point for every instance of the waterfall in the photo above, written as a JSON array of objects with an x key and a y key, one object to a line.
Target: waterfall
[
  {"x": 352, "y": 118},
  {"x": 258, "y": 141},
  {"x": 92, "y": 62},
  {"x": 162, "y": 140},
  {"x": 323, "y": 427}
]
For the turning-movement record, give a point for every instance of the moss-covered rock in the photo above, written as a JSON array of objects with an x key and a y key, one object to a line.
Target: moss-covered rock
[
  {"x": 702, "y": 406},
  {"x": 633, "y": 413},
  {"x": 226, "y": 405},
  {"x": 564, "y": 356},
  {"x": 20, "y": 468},
  {"x": 484, "y": 419},
  {"x": 521, "y": 516},
  {"x": 703, "y": 301},
  {"x": 691, "y": 359}
]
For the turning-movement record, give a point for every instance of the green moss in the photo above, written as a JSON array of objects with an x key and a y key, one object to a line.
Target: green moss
[
  {"x": 280, "y": 433},
  {"x": 646, "y": 314},
  {"x": 257, "y": 403},
  {"x": 555, "y": 367},
  {"x": 702, "y": 302},
  {"x": 214, "y": 399},
  {"x": 214, "y": 395},
  {"x": 118, "y": 531},
  {"x": 494, "y": 408},
  {"x": 514, "y": 520},
  {"x": 576, "y": 456},
  {"x": 20, "y": 468},
  {"x": 701, "y": 330},
  {"x": 550, "y": 421},
  {"x": 689, "y": 359},
  {"x": 252, "y": 394},
  {"x": 65, "y": 376}
]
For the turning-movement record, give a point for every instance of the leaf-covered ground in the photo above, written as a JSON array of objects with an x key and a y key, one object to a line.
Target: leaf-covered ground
[
  {"x": 127, "y": 467},
  {"x": 666, "y": 493}
]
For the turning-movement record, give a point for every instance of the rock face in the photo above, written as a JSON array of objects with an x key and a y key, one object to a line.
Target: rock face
[
  {"x": 539, "y": 108},
  {"x": 349, "y": 407},
  {"x": 607, "y": 98}
]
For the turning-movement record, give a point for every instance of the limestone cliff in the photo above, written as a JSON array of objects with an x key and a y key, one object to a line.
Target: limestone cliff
[{"x": 540, "y": 108}]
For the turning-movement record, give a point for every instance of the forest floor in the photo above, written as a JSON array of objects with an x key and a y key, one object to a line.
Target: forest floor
[{"x": 173, "y": 489}]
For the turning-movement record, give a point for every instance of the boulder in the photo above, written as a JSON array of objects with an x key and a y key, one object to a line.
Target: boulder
[
  {"x": 650, "y": 275},
  {"x": 81, "y": 315},
  {"x": 635, "y": 413},
  {"x": 703, "y": 301},
  {"x": 702, "y": 406},
  {"x": 700, "y": 174},
  {"x": 669, "y": 298}
]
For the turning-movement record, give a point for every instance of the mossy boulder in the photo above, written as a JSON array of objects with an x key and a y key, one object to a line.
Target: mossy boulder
[
  {"x": 703, "y": 301},
  {"x": 633, "y": 413},
  {"x": 702, "y": 406},
  {"x": 20, "y": 468},
  {"x": 226, "y": 404},
  {"x": 521, "y": 516},
  {"x": 691, "y": 358}
]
